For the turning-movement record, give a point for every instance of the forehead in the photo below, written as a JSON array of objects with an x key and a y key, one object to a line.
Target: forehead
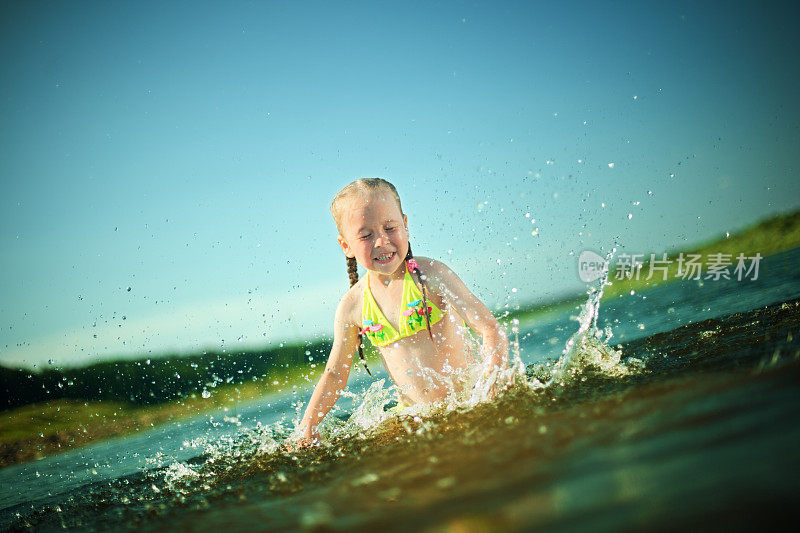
[{"x": 371, "y": 208}]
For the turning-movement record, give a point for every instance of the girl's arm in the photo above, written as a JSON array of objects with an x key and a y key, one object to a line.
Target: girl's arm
[
  {"x": 334, "y": 378},
  {"x": 477, "y": 316}
]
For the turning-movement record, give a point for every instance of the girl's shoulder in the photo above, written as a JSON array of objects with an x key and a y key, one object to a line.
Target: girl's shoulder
[
  {"x": 351, "y": 302},
  {"x": 437, "y": 275},
  {"x": 431, "y": 267},
  {"x": 434, "y": 272},
  {"x": 426, "y": 263}
]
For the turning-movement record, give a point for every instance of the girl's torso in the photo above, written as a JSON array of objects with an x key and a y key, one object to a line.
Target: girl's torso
[{"x": 423, "y": 370}]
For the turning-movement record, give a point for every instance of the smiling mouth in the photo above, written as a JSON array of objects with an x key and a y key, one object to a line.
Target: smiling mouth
[{"x": 385, "y": 258}]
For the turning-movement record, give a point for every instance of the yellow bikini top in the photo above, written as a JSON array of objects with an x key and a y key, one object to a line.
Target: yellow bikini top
[{"x": 411, "y": 318}]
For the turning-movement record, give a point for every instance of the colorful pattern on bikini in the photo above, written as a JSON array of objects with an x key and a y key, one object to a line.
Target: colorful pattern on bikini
[{"x": 411, "y": 315}]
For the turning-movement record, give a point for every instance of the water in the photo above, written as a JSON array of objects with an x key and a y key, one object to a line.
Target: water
[{"x": 692, "y": 421}]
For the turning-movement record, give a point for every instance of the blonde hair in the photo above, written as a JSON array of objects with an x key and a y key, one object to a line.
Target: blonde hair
[
  {"x": 363, "y": 188},
  {"x": 360, "y": 188}
]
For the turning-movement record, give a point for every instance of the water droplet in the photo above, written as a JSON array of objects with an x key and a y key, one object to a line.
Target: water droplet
[
  {"x": 366, "y": 479},
  {"x": 446, "y": 482}
]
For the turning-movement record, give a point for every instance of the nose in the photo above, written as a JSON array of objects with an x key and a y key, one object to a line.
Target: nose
[{"x": 381, "y": 239}]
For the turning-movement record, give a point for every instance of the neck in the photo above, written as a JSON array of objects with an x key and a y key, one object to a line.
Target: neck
[{"x": 385, "y": 279}]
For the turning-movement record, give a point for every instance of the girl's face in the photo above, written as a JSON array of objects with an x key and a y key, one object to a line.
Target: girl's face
[{"x": 374, "y": 231}]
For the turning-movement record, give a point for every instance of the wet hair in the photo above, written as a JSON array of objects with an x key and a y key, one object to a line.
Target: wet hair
[
  {"x": 420, "y": 277},
  {"x": 362, "y": 188}
]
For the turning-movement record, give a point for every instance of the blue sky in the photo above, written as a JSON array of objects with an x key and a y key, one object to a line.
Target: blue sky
[{"x": 189, "y": 152}]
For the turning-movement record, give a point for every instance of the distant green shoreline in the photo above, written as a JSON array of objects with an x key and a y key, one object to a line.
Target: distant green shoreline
[
  {"x": 52, "y": 425},
  {"x": 768, "y": 237},
  {"x": 38, "y": 430}
]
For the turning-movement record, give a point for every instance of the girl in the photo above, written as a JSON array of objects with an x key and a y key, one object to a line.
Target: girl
[{"x": 410, "y": 308}]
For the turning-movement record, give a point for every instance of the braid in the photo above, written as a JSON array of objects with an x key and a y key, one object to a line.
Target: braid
[
  {"x": 418, "y": 272},
  {"x": 352, "y": 271}
]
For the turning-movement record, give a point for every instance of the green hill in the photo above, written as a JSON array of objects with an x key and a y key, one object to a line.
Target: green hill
[{"x": 768, "y": 237}]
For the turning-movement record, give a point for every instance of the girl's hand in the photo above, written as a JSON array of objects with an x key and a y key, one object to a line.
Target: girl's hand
[
  {"x": 495, "y": 370},
  {"x": 307, "y": 440},
  {"x": 310, "y": 438}
]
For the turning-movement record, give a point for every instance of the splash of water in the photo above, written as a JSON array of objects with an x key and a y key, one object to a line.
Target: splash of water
[{"x": 586, "y": 350}]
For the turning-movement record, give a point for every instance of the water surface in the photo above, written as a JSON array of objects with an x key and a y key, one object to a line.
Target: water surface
[{"x": 696, "y": 425}]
